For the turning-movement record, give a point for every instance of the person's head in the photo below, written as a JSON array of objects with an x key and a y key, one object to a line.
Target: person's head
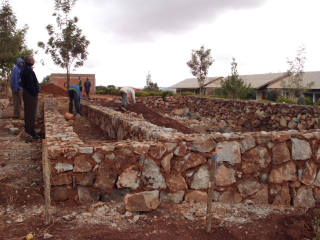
[
  {"x": 20, "y": 62},
  {"x": 29, "y": 60},
  {"x": 87, "y": 79}
]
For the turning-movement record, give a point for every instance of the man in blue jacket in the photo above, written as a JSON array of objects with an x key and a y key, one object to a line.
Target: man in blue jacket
[
  {"x": 74, "y": 97},
  {"x": 16, "y": 88},
  {"x": 31, "y": 89}
]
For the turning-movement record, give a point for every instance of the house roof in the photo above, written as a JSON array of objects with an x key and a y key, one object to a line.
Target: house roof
[
  {"x": 257, "y": 81},
  {"x": 308, "y": 77},
  {"x": 192, "y": 83}
]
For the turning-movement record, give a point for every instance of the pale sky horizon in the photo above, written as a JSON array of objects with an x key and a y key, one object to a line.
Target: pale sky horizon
[{"x": 128, "y": 38}]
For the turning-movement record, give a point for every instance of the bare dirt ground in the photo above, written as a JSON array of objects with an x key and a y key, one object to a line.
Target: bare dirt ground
[{"x": 21, "y": 208}]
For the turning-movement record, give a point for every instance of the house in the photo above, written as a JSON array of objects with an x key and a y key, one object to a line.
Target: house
[
  {"x": 60, "y": 80},
  {"x": 262, "y": 83},
  {"x": 192, "y": 85}
]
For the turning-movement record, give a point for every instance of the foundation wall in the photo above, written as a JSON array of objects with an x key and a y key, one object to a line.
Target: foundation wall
[
  {"x": 266, "y": 168},
  {"x": 242, "y": 115}
]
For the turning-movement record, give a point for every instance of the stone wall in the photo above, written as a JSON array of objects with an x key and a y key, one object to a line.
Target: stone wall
[
  {"x": 265, "y": 168},
  {"x": 4, "y": 103},
  {"x": 242, "y": 115}
]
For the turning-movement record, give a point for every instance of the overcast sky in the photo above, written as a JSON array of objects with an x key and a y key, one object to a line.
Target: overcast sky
[{"x": 128, "y": 38}]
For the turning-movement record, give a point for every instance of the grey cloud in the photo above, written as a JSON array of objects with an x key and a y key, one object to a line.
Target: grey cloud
[{"x": 144, "y": 19}]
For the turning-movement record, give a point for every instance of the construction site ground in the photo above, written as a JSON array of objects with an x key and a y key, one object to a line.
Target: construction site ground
[{"x": 22, "y": 204}]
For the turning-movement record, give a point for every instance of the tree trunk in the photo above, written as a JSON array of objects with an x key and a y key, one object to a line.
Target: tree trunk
[{"x": 68, "y": 78}]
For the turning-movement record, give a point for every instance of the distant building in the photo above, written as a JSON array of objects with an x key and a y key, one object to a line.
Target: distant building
[
  {"x": 262, "y": 83},
  {"x": 60, "y": 79}
]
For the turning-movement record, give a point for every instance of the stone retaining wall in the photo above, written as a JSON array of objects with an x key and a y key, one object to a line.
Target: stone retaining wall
[
  {"x": 266, "y": 168},
  {"x": 243, "y": 115}
]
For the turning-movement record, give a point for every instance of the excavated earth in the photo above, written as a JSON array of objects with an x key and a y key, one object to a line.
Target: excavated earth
[{"x": 21, "y": 204}]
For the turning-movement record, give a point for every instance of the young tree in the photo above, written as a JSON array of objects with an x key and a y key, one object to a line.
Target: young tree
[
  {"x": 200, "y": 62},
  {"x": 66, "y": 45},
  {"x": 150, "y": 86},
  {"x": 294, "y": 84},
  {"x": 233, "y": 86},
  {"x": 12, "y": 40}
]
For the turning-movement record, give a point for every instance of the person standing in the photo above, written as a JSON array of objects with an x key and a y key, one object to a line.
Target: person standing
[
  {"x": 80, "y": 84},
  {"x": 16, "y": 88},
  {"x": 127, "y": 92},
  {"x": 74, "y": 97},
  {"x": 31, "y": 89},
  {"x": 87, "y": 86}
]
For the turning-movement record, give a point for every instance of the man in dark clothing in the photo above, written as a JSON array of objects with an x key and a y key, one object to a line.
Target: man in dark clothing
[
  {"x": 30, "y": 85},
  {"x": 87, "y": 86},
  {"x": 74, "y": 97},
  {"x": 16, "y": 88}
]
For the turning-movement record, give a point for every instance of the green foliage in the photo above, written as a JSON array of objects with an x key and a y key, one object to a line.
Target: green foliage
[
  {"x": 150, "y": 86},
  {"x": 282, "y": 99},
  {"x": 308, "y": 101},
  {"x": 294, "y": 84},
  {"x": 316, "y": 222},
  {"x": 106, "y": 90},
  {"x": 12, "y": 40},
  {"x": 234, "y": 87},
  {"x": 188, "y": 94},
  {"x": 199, "y": 64},
  {"x": 272, "y": 95},
  {"x": 111, "y": 86},
  {"x": 66, "y": 45}
]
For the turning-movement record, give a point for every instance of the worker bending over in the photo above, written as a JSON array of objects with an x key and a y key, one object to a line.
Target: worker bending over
[
  {"x": 74, "y": 97},
  {"x": 127, "y": 92}
]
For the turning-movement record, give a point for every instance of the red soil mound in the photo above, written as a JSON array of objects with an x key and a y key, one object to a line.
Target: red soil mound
[{"x": 53, "y": 89}]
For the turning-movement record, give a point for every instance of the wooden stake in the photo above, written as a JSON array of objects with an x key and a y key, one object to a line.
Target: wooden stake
[
  {"x": 46, "y": 180},
  {"x": 212, "y": 166}
]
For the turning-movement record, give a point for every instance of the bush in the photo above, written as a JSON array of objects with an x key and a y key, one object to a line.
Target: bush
[
  {"x": 187, "y": 94},
  {"x": 272, "y": 95},
  {"x": 309, "y": 101},
  {"x": 282, "y": 99},
  {"x": 109, "y": 91}
]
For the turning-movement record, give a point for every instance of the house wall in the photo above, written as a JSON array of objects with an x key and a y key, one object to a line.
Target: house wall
[{"x": 61, "y": 80}]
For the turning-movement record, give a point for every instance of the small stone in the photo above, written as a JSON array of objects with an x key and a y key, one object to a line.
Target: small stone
[
  {"x": 287, "y": 172},
  {"x": 261, "y": 197},
  {"x": 63, "y": 167},
  {"x": 196, "y": 196},
  {"x": 47, "y": 236},
  {"x": 176, "y": 197},
  {"x": 166, "y": 162},
  {"x": 181, "y": 150},
  {"x": 228, "y": 152},
  {"x": 280, "y": 153},
  {"x": 88, "y": 179},
  {"x": 59, "y": 194},
  {"x": 129, "y": 178},
  {"x": 81, "y": 164},
  {"x": 247, "y": 143},
  {"x": 151, "y": 175},
  {"x": 176, "y": 182},
  {"x": 255, "y": 160},
  {"x": 61, "y": 179},
  {"x": 98, "y": 157},
  {"x": 142, "y": 202},
  {"x": 203, "y": 145},
  {"x": 224, "y": 176},
  {"x": 230, "y": 196},
  {"x": 249, "y": 187},
  {"x": 300, "y": 149},
  {"x": 201, "y": 178},
  {"x": 283, "y": 197},
  {"x": 304, "y": 198},
  {"x": 193, "y": 160},
  {"x": 140, "y": 148},
  {"x": 86, "y": 150},
  {"x": 157, "y": 151},
  {"x": 87, "y": 195},
  {"x": 308, "y": 174},
  {"x": 283, "y": 122}
]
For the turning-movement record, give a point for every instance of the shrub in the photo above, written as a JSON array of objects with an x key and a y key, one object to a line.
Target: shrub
[
  {"x": 309, "y": 101},
  {"x": 282, "y": 99},
  {"x": 272, "y": 95},
  {"x": 187, "y": 94}
]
